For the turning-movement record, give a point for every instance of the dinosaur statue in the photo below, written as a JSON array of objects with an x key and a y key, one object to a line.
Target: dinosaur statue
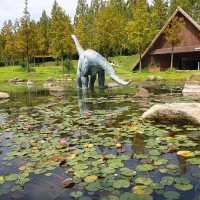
[{"x": 90, "y": 64}]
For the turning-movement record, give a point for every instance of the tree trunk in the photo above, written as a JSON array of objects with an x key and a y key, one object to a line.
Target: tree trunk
[
  {"x": 140, "y": 67},
  {"x": 63, "y": 67},
  {"x": 172, "y": 58}
]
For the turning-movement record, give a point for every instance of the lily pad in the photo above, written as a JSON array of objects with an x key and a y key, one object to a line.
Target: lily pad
[
  {"x": 143, "y": 181},
  {"x": 90, "y": 179},
  {"x": 172, "y": 195},
  {"x": 121, "y": 183},
  {"x": 144, "y": 168},
  {"x": 167, "y": 180},
  {"x": 142, "y": 190},
  {"x": 127, "y": 172}
]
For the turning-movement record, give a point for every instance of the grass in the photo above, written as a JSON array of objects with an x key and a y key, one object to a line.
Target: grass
[{"x": 124, "y": 70}]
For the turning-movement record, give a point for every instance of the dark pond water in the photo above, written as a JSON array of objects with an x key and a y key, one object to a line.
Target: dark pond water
[{"x": 98, "y": 140}]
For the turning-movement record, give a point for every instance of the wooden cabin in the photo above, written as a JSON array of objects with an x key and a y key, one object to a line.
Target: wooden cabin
[{"x": 186, "y": 53}]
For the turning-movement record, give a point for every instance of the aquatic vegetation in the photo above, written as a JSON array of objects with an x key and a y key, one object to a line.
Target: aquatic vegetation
[{"x": 107, "y": 153}]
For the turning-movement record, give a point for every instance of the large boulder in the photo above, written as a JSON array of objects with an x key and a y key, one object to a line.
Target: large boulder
[
  {"x": 4, "y": 95},
  {"x": 142, "y": 93},
  {"x": 185, "y": 113},
  {"x": 192, "y": 88}
]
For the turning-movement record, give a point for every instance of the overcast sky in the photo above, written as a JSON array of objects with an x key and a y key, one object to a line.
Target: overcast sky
[{"x": 12, "y": 9}]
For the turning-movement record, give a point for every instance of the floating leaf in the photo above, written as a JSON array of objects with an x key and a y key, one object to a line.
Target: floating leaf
[
  {"x": 121, "y": 183},
  {"x": 171, "y": 195},
  {"x": 76, "y": 195},
  {"x": 142, "y": 190},
  {"x": 143, "y": 181},
  {"x": 194, "y": 161},
  {"x": 90, "y": 179},
  {"x": 127, "y": 172},
  {"x": 185, "y": 154},
  {"x": 167, "y": 180},
  {"x": 144, "y": 168}
]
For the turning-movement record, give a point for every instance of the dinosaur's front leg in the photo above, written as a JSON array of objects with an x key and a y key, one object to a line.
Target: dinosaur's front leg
[
  {"x": 84, "y": 81},
  {"x": 92, "y": 81}
]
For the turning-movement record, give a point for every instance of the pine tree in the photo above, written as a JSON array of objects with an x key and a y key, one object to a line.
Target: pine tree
[
  {"x": 8, "y": 37},
  {"x": 24, "y": 36},
  {"x": 60, "y": 33},
  {"x": 110, "y": 32},
  {"x": 43, "y": 27},
  {"x": 81, "y": 10},
  {"x": 139, "y": 29},
  {"x": 184, "y": 4},
  {"x": 159, "y": 13}
]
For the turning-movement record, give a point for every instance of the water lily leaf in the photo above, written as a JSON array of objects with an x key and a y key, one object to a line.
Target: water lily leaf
[
  {"x": 144, "y": 168},
  {"x": 76, "y": 195},
  {"x": 2, "y": 180},
  {"x": 196, "y": 174},
  {"x": 88, "y": 146},
  {"x": 143, "y": 181},
  {"x": 171, "y": 195},
  {"x": 183, "y": 184},
  {"x": 127, "y": 172},
  {"x": 131, "y": 196},
  {"x": 93, "y": 187},
  {"x": 121, "y": 183},
  {"x": 194, "y": 161},
  {"x": 160, "y": 162},
  {"x": 11, "y": 177},
  {"x": 185, "y": 154},
  {"x": 110, "y": 197},
  {"x": 142, "y": 190},
  {"x": 167, "y": 180},
  {"x": 172, "y": 166},
  {"x": 183, "y": 187},
  {"x": 154, "y": 152},
  {"x": 90, "y": 179}
]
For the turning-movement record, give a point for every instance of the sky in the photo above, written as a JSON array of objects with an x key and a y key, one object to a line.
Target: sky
[{"x": 12, "y": 9}]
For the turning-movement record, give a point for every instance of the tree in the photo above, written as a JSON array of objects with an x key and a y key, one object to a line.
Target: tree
[
  {"x": 138, "y": 29},
  {"x": 9, "y": 45},
  {"x": 43, "y": 27},
  {"x": 109, "y": 31},
  {"x": 24, "y": 36},
  {"x": 159, "y": 13},
  {"x": 81, "y": 10},
  {"x": 185, "y": 4},
  {"x": 60, "y": 33},
  {"x": 172, "y": 35}
]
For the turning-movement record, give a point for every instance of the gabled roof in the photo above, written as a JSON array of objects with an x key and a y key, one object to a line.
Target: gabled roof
[{"x": 178, "y": 10}]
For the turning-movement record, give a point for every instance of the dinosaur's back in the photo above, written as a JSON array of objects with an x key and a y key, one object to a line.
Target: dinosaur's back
[{"x": 93, "y": 57}]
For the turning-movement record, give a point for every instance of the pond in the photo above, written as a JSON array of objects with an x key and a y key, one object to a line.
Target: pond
[{"x": 95, "y": 146}]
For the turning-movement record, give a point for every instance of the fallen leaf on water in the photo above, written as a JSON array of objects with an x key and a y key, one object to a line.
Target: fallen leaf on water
[
  {"x": 90, "y": 179},
  {"x": 185, "y": 154}
]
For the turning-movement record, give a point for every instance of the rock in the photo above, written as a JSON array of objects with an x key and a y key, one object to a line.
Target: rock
[
  {"x": 4, "y": 95},
  {"x": 30, "y": 83},
  {"x": 191, "y": 88},
  {"x": 154, "y": 78},
  {"x": 56, "y": 88},
  {"x": 185, "y": 113},
  {"x": 142, "y": 93},
  {"x": 68, "y": 183},
  {"x": 17, "y": 81}
]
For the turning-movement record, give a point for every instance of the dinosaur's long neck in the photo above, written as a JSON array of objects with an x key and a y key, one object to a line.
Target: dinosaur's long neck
[{"x": 78, "y": 46}]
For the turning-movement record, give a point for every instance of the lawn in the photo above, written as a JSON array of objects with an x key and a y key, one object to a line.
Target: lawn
[{"x": 124, "y": 70}]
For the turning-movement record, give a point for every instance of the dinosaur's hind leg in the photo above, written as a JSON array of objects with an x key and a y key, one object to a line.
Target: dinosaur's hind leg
[{"x": 101, "y": 77}]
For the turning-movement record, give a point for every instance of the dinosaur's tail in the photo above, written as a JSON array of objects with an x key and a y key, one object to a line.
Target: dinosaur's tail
[{"x": 78, "y": 46}]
